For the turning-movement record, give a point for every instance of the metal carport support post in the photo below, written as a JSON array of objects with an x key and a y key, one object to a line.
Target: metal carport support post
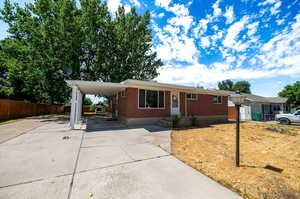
[
  {"x": 76, "y": 107},
  {"x": 73, "y": 107},
  {"x": 79, "y": 106}
]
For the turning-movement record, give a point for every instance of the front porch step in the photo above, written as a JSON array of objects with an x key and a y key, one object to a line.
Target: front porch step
[{"x": 167, "y": 122}]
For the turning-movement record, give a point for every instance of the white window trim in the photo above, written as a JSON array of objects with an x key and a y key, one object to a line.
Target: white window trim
[
  {"x": 194, "y": 99},
  {"x": 124, "y": 91},
  {"x": 143, "y": 108},
  {"x": 218, "y": 102}
]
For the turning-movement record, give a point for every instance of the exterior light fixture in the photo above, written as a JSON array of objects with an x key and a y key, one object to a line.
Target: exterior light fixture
[{"x": 238, "y": 99}]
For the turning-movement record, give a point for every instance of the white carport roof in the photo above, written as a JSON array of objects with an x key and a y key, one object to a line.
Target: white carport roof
[
  {"x": 110, "y": 89},
  {"x": 97, "y": 88}
]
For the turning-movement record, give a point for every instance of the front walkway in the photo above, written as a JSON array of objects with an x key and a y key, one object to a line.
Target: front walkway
[{"x": 52, "y": 161}]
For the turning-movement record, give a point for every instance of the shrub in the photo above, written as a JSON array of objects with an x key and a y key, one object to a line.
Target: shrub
[
  {"x": 175, "y": 120},
  {"x": 194, "y": 120}
]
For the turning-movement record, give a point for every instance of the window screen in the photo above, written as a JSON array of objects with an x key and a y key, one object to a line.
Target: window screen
[
  {"x": 191, "y": 96},
  {"x": 161, "y": 99},
  {"x": 142, "y": 98},
  {"x": 151, "y": 99},
  {"x": 217, "y": 99}
]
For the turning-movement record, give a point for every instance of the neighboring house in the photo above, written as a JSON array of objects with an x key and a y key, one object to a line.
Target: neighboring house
[
  {"x": 147, "y": 102},
  {"x": 258, "y": 108}
]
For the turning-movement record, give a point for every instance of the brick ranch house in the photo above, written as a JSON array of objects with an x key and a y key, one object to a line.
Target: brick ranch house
[{"x": 147, "y": 102}]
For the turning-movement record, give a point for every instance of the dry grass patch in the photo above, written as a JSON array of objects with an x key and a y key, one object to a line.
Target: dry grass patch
[{"x": 211, "y": 150}]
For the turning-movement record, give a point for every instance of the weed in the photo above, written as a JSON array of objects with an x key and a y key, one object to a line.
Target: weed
[{"x": 66, "y": 137}]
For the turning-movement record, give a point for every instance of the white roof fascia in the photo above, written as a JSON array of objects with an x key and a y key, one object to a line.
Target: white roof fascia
[{"x": 170, "y": 87}]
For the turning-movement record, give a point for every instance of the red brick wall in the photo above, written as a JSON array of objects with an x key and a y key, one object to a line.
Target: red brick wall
[
  {"x": 128, "y": 106},
  {"x": 182, "y": 103},
  {"x": 122, "y": 104},
  {"x": 204, "y": 106}
]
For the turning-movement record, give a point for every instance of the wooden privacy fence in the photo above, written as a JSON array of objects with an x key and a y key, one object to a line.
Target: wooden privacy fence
[
  {"x": 86, "y": 108},
  {"x": 231, "y": 113},
  {"x": 14, "y": 109}
]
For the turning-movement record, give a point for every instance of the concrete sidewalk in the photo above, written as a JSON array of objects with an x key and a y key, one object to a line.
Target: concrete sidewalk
[{"x": 52, "y": 161}]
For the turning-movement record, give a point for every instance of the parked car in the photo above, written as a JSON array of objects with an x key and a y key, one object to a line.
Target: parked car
[{"x": 288, "y": 118}]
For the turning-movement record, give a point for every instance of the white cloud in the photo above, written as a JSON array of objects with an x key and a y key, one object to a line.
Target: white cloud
[
  {"x": 136, "y": 3},
  {"x": 230, "y": 59},
  {"x": 182, "y": 17},
  {"x": 240, "y": 61},
  {"x": 185, "y": 21},
  {"x": 203, "y": 24},
  {"x": 127, "y": 8},
  {"x": 113, "y": 5},
  {"x": 283, "y": 50},
  {"x": 179, "y": 10},
  {"x": 216, "y": 36},
  {"x": 216, "y": 10},
  {"x": 171, "y": 29},
  {"x": 252, "y": 28},
  {"x": 279, "y": 56},
  {"x": 162, "y": 3},
  {"x": 174, "y": 44},
  {"x": 253, "y": 61},
  {"x": 275, "y": 6},
  {"x": 266, "y": 2},
  {"x": 201, "y": 28},
  {"x": 275, "y": 9},
  {"x": 233, "y": 31},
  {"x": 279, "y": 21},
  {"x": 161, "y": 15},
  {"x": 198, "y": 73},
  {"x": 204, "y": 42},
  {"x": 221, "y": 66},
  {"x": 229, "y": 15},
  {"x": 215, "y": 27}
]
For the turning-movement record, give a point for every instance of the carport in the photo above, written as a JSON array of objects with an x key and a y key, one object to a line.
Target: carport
[{"x": 79, "y": 87}]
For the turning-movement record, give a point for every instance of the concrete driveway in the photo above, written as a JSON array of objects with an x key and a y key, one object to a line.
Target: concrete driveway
[{"x": 52, "y": 161}]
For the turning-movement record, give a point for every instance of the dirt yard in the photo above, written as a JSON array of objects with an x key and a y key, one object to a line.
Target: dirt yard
[{"x": 211, "y": 150}]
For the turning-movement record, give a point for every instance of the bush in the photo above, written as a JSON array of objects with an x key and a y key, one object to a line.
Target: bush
[
  {"x": 194, "y": 120},
  {"x": 93, "y": 107},
  {"x": 175, "y": 120}
]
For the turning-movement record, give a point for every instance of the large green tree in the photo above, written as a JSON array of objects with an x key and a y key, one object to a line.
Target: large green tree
[
  {"x": 292, "y": 92},
  {"x": 242, "y": 86},
  {"x": 87, "y": 101},
  {"x": 229, "y": 85},
  {"x": 42, "y": 49},
  {"x": 54, "y": 40},
  {"x": 226, "y": 85}
]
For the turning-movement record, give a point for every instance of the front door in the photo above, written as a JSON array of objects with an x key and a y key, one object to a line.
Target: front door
[{"x": 175, "y": 103}]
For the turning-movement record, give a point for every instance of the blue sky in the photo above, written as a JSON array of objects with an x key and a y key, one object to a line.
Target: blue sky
[{"x": 202, "y": 42}]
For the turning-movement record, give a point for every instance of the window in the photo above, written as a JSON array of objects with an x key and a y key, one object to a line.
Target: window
[
  {"x": 297, "y": 113},
  {"x": 151, "y": 99},
  {"x": 276, "y": 107},
  {"x": 217, "y": 99},
  {"x": 191, "y": 96},
  {"x": 123, "y": 93}
]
